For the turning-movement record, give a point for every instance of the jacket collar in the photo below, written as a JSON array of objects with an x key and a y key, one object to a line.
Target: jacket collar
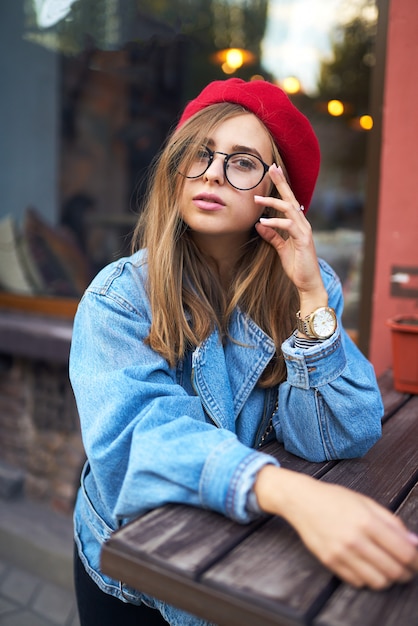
[{"x": 225, "y": 375}]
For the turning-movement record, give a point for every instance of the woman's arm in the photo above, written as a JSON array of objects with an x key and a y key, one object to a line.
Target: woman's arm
[
  {"x": 330, "y": 405},
  {"x": 356, "y": 538}
]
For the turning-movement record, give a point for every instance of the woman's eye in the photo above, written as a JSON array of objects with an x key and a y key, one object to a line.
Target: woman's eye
[
  {"x": 243, "y": 162},
  {"x": 202, "y": 154}
]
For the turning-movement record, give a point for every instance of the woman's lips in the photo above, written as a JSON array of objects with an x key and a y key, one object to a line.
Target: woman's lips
[{"x": 208, "y": 202}]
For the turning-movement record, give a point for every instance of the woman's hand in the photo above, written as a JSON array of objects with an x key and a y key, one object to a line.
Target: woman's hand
[
  {"x": 297, "y": 252},
  {"x": 356, "y": 538}
]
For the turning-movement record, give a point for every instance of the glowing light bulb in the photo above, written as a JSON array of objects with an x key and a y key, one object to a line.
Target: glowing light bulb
[
  {"x": 291, "y": 84},
  {"x": 335, "y": 108},
  {"x": 366, "y": 122},
  {"x": 234, "y": 58}
]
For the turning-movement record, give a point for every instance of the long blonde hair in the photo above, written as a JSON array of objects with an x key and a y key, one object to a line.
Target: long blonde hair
[{"x": 186, "y": 297}]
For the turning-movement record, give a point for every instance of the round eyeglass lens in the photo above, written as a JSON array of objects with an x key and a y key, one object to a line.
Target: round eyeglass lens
[
  {"x": 242, "y": 170},
  {"x": 200, "y": 162}
]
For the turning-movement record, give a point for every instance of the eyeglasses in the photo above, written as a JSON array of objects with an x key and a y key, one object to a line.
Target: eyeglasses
[{"x": 243, "y": 171}]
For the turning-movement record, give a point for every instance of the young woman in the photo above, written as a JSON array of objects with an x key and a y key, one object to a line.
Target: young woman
[{"x": 224, "y": 329}]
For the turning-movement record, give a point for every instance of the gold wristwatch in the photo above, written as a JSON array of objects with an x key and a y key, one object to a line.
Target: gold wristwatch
[{"x": 320, "y": 324}]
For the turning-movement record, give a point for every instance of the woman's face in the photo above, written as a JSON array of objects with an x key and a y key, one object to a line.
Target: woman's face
[{"x": 209, "y": 204}]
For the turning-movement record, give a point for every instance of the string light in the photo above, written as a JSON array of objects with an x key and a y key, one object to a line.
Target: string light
[
  {"x": 231, "y": 59},
  {"x": 335, "y": 108},
  {"x": 291, "y": 85},
  {"x": 366, "y": 122}
]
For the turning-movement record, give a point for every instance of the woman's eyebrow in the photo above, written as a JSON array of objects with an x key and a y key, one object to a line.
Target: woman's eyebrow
[
  {"x": 236, "y": 148},
  {"x": 239, "y": 148}
]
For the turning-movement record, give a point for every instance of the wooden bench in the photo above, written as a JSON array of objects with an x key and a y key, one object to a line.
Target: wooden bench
[{"x": 261, "y": 574}]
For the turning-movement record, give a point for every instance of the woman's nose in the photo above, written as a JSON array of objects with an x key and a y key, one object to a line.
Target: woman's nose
[{"x": 215, "y": 171}]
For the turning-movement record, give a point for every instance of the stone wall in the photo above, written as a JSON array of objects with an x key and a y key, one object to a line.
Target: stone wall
[{"x": 39, "y": 430}]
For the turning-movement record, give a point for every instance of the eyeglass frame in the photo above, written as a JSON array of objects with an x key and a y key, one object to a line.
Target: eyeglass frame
[{"x": 225, "y": 162}]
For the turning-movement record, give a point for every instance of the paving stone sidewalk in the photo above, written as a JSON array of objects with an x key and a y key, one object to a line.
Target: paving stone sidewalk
[
  {"x": 29, "y": 600},
  {"x": 36, "y": 586}
]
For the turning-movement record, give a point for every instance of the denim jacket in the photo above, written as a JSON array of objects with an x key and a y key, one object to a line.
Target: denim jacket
[{"x": 155, "y": 434}]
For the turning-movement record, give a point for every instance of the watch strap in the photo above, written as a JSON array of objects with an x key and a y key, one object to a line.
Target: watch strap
[{"x": 302, "y": 325}]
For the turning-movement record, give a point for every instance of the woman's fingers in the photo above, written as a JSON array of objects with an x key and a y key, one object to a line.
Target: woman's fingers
[
  {"x": 290, "y": 234},
  {"x": 291, "y": 226},
  {"x": 267, "y": 227},
  {"x": 296, "y": 249},
  {"x": 399, "y": 546},
  {"x": 287, "y": 201},
  {"x": 372, "y": 546},
  {"x": 279, "y": 180},
  {"x": 356, "y": 538},
  {"x": 363, "y": 562},
  {"x": 292, "y": 218}
]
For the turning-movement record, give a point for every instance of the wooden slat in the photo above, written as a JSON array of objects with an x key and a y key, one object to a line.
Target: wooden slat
[
  {"x": 215, "y": 605},
  {"x": 44, "y": 305},
  {"x": 392, "y": 399},
  {"x": 290, "y": 461},
  {"x": 390, "y": 469},
  {"x": 273, "y": 565},
  {"x": 171, "y": 537},
  {"x": 396, "y": 607},
  {"x": 274, "y": 568}
]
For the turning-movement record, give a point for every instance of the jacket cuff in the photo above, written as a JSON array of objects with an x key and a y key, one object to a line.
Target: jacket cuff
[
  {"x": 228, "y": 478},
  {"x": 316, "y": 366}
]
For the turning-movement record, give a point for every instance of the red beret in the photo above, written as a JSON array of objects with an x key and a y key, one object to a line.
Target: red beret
[{"x": 291, "y": 130}]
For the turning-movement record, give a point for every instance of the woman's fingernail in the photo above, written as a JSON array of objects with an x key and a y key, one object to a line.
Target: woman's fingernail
[
  {"x": 265, "y": 220},
  {"x": 413, "y": 538},
  {"x": 258, "y": 197}
]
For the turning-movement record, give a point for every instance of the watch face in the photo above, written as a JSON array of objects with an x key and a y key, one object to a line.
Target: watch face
[{"x": 323, "y": 323}]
